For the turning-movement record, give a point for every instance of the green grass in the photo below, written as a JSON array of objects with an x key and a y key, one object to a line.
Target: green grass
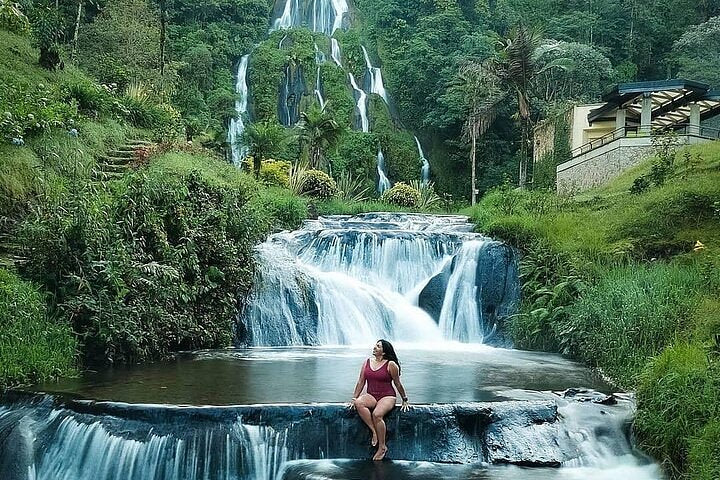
[{"x": 33, "y": 346}]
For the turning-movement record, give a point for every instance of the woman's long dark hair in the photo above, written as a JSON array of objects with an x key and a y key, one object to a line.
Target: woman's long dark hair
[{"x": 389, "y": 353}]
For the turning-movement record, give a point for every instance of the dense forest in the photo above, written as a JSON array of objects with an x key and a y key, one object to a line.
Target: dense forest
[{"x": 127, "y": 233}]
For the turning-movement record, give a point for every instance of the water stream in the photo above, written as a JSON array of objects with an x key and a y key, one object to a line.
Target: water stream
[
  {"x": 271, "y": 407},
  {"x": 237, "y": 124}
]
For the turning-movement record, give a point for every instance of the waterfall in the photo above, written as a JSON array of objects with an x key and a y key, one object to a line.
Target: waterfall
[
  {"x": 318, "y": 90},
  {"x": 383, "y": 182},
  {"x": 346, "y": 281},
  {"x": 335, "y": 52},
  {"x": 324, "y": 16},
  {"x": 237, "y": 125},
  {"x": 425, "y": 169},
  {"x": 375, "y": 77},
  {"x": 361, "y": 98}
]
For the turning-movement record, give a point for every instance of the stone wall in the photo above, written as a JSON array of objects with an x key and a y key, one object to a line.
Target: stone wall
[{"x": 602, "y": 164}]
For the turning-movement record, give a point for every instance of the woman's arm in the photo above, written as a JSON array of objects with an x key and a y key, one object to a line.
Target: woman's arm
[
  {"x": 360, "y": 383},
  {"x": 395, "y": 374}
]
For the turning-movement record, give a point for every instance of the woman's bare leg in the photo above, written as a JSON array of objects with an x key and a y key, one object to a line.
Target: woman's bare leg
[
  {"x": 384, "y": 405},
  {"x": 363, "y": 405}
]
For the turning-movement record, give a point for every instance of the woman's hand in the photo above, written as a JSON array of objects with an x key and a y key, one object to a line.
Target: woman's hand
[
  {"x": 405, "y": 406},
  {"x": 351, "y": 405}
]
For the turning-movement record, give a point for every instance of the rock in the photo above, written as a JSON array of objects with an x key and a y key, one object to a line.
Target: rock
[{"x": 432, "y": 296}]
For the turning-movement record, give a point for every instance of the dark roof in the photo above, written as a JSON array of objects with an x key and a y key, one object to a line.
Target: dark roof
[{"x": 670, "y": 100}]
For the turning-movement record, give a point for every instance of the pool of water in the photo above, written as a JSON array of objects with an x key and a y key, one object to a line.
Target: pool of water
[{"x": 438, "y": 373}]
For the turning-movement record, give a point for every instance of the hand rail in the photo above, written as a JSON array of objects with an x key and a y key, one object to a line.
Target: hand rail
[{"x": 711, "y": 133}]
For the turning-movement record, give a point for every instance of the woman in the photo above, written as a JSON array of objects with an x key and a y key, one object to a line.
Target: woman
[{"x": 380, "y": 372}]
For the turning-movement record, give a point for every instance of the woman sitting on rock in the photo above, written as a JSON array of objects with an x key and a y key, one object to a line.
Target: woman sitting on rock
[{"x": 380, "y": 372}]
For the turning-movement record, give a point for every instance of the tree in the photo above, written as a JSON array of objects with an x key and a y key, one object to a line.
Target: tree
[
  {"x": 320, "y": 131},
  {"x": 696, "y": 54},
  {"x": 264, "y": 140},
  {"x": 480, "y": 89}
]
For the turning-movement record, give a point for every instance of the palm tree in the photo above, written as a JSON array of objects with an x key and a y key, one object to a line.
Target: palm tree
[
  {"x": 264, "y": 140},
  {"x": 517, "y": 67},
  {"x": 320, "y": 131},
  {"x": 480, "y": 89}
]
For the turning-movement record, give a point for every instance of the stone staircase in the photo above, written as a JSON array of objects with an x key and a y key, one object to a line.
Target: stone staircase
[
  {"x": 115, "y": 163},
  {"x": 111, "y": 166}
]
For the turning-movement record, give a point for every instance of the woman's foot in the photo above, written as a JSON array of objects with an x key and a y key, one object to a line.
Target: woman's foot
[
  {"x": 380, "y": 454},
  {"x": 373, "y": 442}
]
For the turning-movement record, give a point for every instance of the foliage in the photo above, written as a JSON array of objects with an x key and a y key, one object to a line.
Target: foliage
[
  {"x": 272, "y": 172},
  {"x": 318, "y": 184},
  {"x": 679, "y": 395},
  {"x": 320, "y": 132},
  {"x": 695, "y": 53},
  {"x": 156, "y": 265},
  {"x": 429, "y": 199},
  {"x": 264, "y": 140},
  {"x": 351, "y": 189},
  {"x": 33, "y": 346},
  {"x": 704, "y": 450},
  {"x": 12, "y": 18},
  {"x": 402, "y": 195}
]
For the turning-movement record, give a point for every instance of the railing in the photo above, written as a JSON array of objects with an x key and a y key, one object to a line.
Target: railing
[{"x": 710, "y": 133}]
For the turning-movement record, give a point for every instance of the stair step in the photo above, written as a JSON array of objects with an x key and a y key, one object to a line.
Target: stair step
[
  {"x": 107, "y": 176},
  {"x": 119, "y": 154},
  {"x": 141, "y": 143},
  {"x": 113, "y": 167},
  {"x": 115, "y": 160}
]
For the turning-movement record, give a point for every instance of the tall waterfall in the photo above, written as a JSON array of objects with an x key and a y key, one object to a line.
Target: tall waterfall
[
  {"x": 346, "y": 280},
  {"x": 361, "y": 98},
  {"x": 383, "y": 182},
  {"x": 425, "y": 169},
  {"x": 374, "y": 75},
  {"x": 318, "y": 90},
  {"x": 335, "y": 52},
  {"x": 237, "y": 124},
  {"x": 325, "y": 16}
]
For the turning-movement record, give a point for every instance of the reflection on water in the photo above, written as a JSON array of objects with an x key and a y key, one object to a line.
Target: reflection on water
[
  {"x": 624, "y": 469},
  {"x": 439, "y": 373}
]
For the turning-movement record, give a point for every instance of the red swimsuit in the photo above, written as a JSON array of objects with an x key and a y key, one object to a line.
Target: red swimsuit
[{"x": 379, "y": 382}]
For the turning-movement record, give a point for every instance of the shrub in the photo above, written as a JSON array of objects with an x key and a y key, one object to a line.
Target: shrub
[
  {"x": 33, "y": 347},
  {"x": 90, "y": 98},
  {"x": 13, "y": 19},
  {"x": 272, "y": 172},
  {"x": 286, "y": 210},
  {"x": 679, "y": 393},
  {"x": 318, "y": 184},
  {"x": 402, "y": 195}
]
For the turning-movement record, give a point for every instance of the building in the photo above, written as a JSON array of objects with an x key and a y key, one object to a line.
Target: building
[{"x": 608, "y": 138}]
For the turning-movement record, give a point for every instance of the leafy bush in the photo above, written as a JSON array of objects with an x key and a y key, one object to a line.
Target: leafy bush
[
  {"x": 402, "y": 195},
  {"x": 679, "y": 394},
  {"x": 33, "y": 347},
  {"x": 90, "y": 97},
  {"x": 272, "y": 172},
  {"x": 156, "y": 265},
  {"x": 352, "y": 189},
  {"x": 30, "y": 109},
  {"x": 428, "y": 198},
  {"x": 318, "y": 184},
  {"x": 13, "y": 19},
  {"x": 287, "y": 210}
]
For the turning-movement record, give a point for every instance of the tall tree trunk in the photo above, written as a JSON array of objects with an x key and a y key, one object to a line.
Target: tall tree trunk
[
  {"x": 523, "y": 154},
  {"x": 473, "y": 134},
  {"x": 77, "y": 30},
  {"x": 163, "y": 23}
]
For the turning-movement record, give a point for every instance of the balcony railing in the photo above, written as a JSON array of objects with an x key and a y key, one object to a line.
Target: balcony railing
[{"x": 685, "y": 129}]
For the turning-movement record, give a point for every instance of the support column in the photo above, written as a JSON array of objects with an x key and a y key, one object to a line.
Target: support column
[
  {"x": 646, "y": 114},
  {"x": 694, "y": 119},
  {"x": 620, "y": 122}
]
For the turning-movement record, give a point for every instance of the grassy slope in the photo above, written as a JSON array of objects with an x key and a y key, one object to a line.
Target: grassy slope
[{"x": 614, "y": 279}]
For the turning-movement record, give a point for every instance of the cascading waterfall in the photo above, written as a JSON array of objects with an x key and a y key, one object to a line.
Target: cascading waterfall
[
  {"x": 361, "y": 98},
  {"x": 383, "y": 182},
  {"x": 374, "y": 75},
  {"x": 349, "y": 281},
  {"x": 237, "y": 125},
  {"x": 324, "y": 16},
  {"x": 318, "y": 89},
  {"x": 335, "y": 52},
  {"x": 319, "y": 55},
  {"x": 425, "y": 169}
]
